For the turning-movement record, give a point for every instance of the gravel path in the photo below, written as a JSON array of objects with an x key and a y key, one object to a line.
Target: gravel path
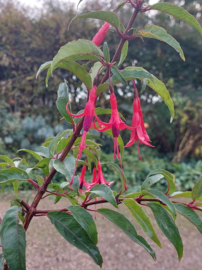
[{"x": 47, "y": 250}]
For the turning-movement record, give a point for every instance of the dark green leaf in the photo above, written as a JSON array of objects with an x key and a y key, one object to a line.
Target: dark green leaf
[
  {"x": 104, "y": 192},
  {"x": 13, "y": 240},
  {"x": 12, "y": 174},
  {"x": 197, "y": 190},
  {"x": 54, "y": 142},
  {"x": 43, "y": 164},
  {"x": 190, "y": 215},
  {"x": 62, "y": 99},
  {"x": 160, "y": 196},
  {"x": 106, "y": 52},
  {"x": 124, "y": 53},
  {"x": 90, "y": 156},
  {"x": 178, "y": 12},
  {"x": 156, "y": 32},
  {"x": 142, "y": 218},
  {"x": 117, "y": 74},
  {"x": 94, "y": 70},
  {"x": 75, "y": 184},
  {"x": 2, "y": 260},
  {"x": 72, "y": 231},
  {"x": 85, "y": 220},
  {"x": 151, "y": 180},
  {"x": 77, "y": 50},
  {"x": 126, "y": 226},
  {"x": 106, "y": 16},
  {"x": 168, "y": 227}
]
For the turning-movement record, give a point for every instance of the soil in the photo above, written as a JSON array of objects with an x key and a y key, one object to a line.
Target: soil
[{"x": 47, "y": 250}]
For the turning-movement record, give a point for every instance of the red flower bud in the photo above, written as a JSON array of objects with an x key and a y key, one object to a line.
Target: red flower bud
[{"x": 98, "y": 38}]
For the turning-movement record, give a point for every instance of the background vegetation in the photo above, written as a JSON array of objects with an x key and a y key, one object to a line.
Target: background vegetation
[{"x": 28, "y": 114}]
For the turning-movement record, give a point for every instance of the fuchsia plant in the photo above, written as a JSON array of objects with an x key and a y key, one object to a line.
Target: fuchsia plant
[{"x": 64, "y": 153}]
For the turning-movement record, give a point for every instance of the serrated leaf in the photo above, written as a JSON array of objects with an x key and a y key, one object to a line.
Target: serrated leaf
[
  {"x": 177, "y": 12},
  {"x": 106, "y": 16},
  {"x": 142, "y": 218},
  {"x": 117, "y": 74},
  {"x": 118, "y": 171},
  {"x": 168, "y": 227},
  {"x": 197, "y": 189},
  {"x": 72, "y": 231},
  {"x": 190, "y": 214},
  {"x": 77, "y": 50},
  {"x": 126, "y": 226},
  {"x": 104, "y": 192},
  {"x": 170, "y": 178},
  {"x": 8, "y": 160},
  {"x": 78, "y": 70},
  {"x": 54, "y": 142},
  {"x": 44, "y": 66},
  {"x": 12, "y": 174},
  {"x": 124, "y": 53},
  {"x": 13, "y": 240},
  {"x": 160, "y": 196},
  {"x": 156, "y": 32},
  {"x": 85, "y": 220}
]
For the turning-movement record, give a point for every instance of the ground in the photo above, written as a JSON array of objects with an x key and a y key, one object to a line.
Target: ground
[{"x": 47, "y": 250}]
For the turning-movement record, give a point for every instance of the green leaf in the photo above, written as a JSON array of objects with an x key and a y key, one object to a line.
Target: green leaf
[
  {"x": 43, "y": 151},
  {"x": 85, "y": 220},
  {"x": 126, "y": 226},
  {"x": 156, "y": 32},
  {"x": 101, "y": 111},
  {"x": 13, "y": 240},
  {"x": 197, "y": 189},
  {"x": 43, "y": 164},
  {"x": 142, "y": 218},
  {"x": 59, "y": 166},
  {"x": 8, "y": 160},
  {"x": 117, "y": 74},
  {"x": 149, "y": 181},
  {"x": 16, "y": 186},
  {"x": 106, "y": 52},
  {"x": 54, "y": 142},
  {"x": 40, "y": 180},
  {"x": 72, "y": 231},
  {"x": 104, "y": 192},
  {"x": 78, "y": 70},
  {"x": 77, "y": 50},
  {"x": 2, "y": 260},
  {"x": 43, "y": 67},
  {"x": 190, "y": 215},
  {"x": 106, "y": 16},
  {"x": 160, "y": 196},
  {"x": 118, "y": 171},
  {"x": 90, "y": 156},
  {"x": 168, "y": 176},
  {"x": 34, "y": 154},
  {"x": 168, "y": 227},
  {"x": 62, "y": 99},
  {"x": 94, "y": 70},
  {"x": 75, "y": 184},
  {"x": 128, "y": 73},
  {"x": 124, "y": 53},
  {"x": 177, "y": 12},
  {"x": 12, "y": 174},
  {"x": 70, "y": 163}
]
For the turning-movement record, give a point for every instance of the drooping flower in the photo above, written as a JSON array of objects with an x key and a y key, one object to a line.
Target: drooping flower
[
  {"x": 139, "y": 131},
  {"x": 82, "y": 182},
  {"x": 88, "y": 113},
  {"x": 98, "y": 177},
  {"x": 99, "y": 37}
]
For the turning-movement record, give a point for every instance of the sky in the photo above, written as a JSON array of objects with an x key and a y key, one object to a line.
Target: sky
[{"x": 38, "y": 3}]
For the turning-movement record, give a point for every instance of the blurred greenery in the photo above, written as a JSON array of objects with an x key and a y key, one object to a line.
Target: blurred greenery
[{"x": 28, "y": 114}]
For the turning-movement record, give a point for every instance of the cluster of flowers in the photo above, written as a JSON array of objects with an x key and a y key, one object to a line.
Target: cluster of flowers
[{"x": 138, "y": 131}]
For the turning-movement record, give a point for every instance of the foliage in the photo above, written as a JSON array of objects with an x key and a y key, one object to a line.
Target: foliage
[{"x": 64, "y": 152}]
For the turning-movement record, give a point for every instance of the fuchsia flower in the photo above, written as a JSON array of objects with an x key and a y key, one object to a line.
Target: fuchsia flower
[
  {"x": 98, "y": 38},
  {"x": 115, "y": 124},
  {"x": 139, "y": 131},
  {"x": 98, "y": 178},
  {"x": 82, "y": 182}
]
